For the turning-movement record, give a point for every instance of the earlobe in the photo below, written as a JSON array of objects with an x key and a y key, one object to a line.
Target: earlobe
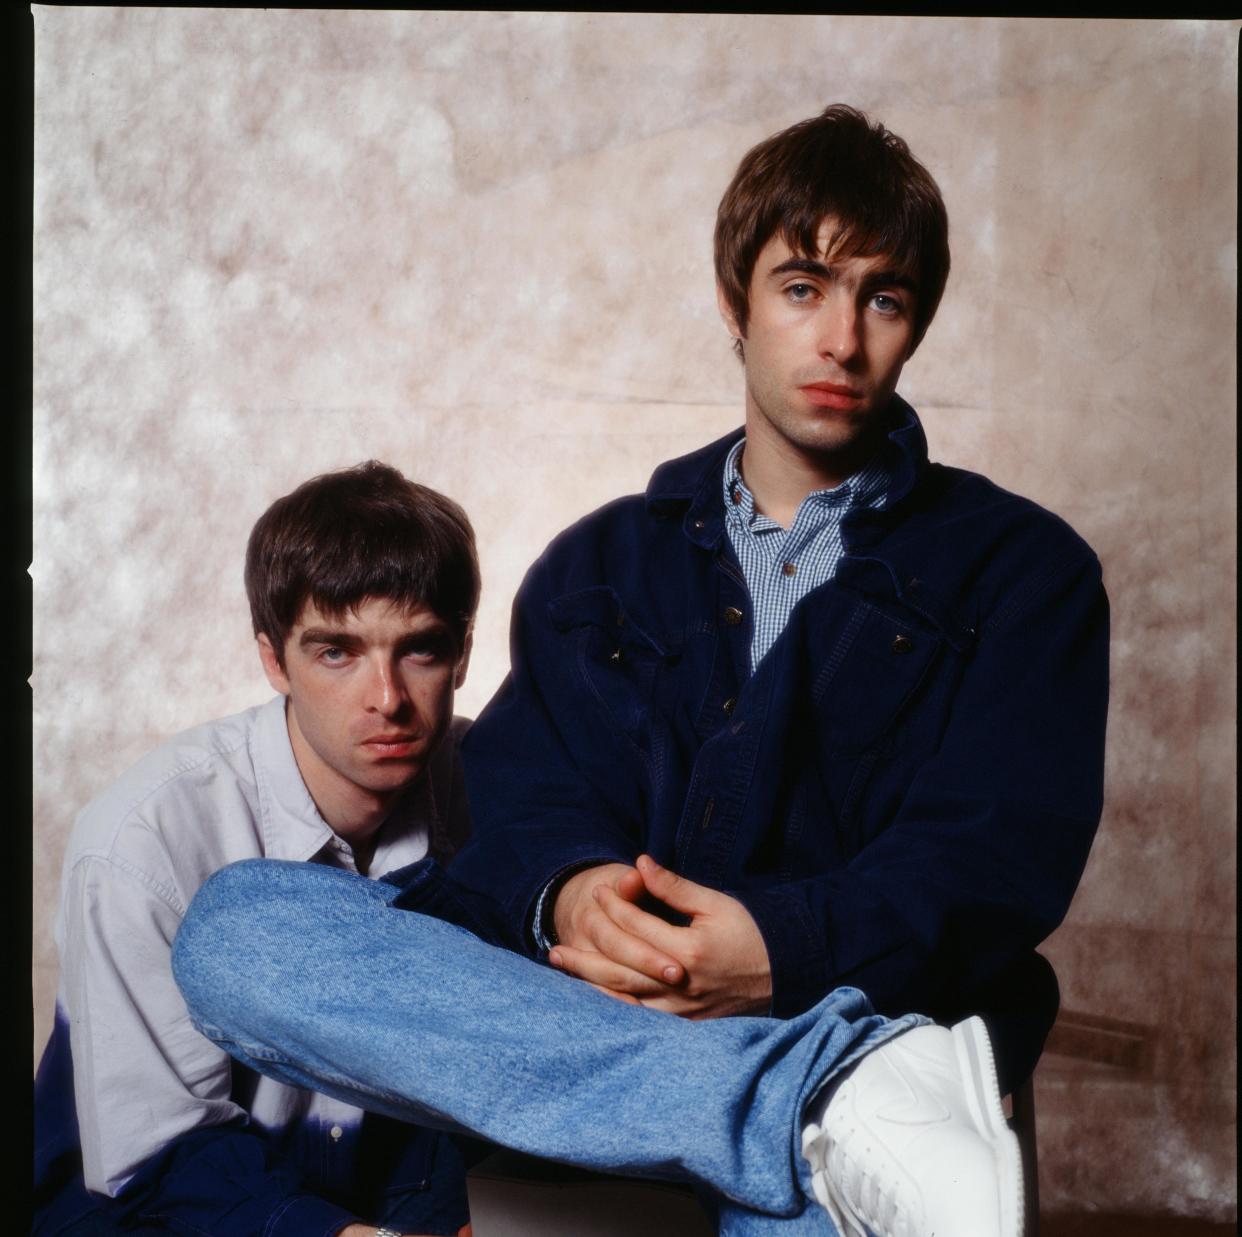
[{"x": 272, "y": 668}]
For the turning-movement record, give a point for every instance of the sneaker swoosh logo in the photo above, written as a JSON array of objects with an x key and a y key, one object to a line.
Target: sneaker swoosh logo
[{"x": 916, "y": 1107}]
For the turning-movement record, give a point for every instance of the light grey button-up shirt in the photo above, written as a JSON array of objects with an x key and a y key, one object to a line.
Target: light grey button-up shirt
[{"x": 221, "y": 792}]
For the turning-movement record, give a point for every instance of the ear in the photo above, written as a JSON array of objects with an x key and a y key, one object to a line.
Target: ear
[
  {"x": 275, "y": 672},
  {"x": 727, "y": 316},
  {"x": 463, "y": 662}
]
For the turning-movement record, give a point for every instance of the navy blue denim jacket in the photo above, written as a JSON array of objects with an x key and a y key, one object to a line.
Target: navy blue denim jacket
[{"x": 904, "y": 792}]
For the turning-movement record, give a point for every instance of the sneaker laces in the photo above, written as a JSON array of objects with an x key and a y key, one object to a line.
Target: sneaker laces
[{"x": 874, "y": 1199}]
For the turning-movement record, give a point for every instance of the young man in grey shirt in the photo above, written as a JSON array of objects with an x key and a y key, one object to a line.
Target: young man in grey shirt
[{"x": 363, "y": 588}]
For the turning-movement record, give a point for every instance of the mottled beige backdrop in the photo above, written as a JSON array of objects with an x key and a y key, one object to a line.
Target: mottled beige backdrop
[{"x": 477, "y": 245}]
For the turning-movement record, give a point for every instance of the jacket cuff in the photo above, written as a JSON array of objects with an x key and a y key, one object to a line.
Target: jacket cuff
[
  {"x": 541, "y": 931},
  {"x": 801, "y": 968},
  {"x": 831, "y": 932}
]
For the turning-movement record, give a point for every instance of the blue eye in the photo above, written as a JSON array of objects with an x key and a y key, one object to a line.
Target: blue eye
[
  {"x": 886, "y": 304},
  {"x": 800, "y": 291},
  {"x": 433, "y": 649}
]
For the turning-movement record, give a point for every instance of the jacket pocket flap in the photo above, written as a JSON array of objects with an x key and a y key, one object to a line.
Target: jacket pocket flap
[
  {"x": 881, "y": 667},
  {"x": 601, "y": 608}
]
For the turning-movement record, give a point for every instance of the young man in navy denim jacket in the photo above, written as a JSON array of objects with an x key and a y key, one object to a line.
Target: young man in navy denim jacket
[
  {"x": 854, "y": 700},
  {"x": 813, "y": 718},
  {"x": 362, "y": 588}
]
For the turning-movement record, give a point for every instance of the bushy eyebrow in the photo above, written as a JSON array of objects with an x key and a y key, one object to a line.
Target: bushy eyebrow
[
  {"x": 324, "y": 635},
  {"x": 820, "y": 270},
  {"x": 434, "y": 630},
  {"x": 803, "y": 266}
]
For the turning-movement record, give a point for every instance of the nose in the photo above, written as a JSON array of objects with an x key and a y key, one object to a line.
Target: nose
[
  {"x": 839, "y": 330},
  {"x": 385, "y": 690}
]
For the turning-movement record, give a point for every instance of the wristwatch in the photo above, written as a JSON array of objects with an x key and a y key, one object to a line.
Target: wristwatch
[{"x": 385, "y": 1231}]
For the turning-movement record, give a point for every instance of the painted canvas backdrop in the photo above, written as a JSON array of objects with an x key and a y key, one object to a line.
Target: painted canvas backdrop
[{"x": 477, "y": 245}]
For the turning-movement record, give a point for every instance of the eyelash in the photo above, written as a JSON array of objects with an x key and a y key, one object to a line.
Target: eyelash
[
  {"x": 423, "y": 652},
  {"x": 895, "y": 306},
  {"x": 430, "y": 652}
]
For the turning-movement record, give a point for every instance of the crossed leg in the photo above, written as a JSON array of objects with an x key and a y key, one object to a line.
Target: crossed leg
[{"x": 308, "y": 974}]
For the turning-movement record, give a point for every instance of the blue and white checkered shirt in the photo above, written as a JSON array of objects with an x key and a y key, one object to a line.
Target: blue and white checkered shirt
[{"x": 781, "y": 565}]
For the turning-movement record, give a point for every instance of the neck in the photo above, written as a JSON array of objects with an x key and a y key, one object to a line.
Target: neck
[{"x": 780, "y": 475}]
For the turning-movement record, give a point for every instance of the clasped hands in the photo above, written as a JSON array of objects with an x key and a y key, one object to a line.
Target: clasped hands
[{"x": 714, "y": 966}]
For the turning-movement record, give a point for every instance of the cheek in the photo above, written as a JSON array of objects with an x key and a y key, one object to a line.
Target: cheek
[
  {"x": 896, "y": 360},
  {"x": 324, "y": 718},
  {"x": 763, "y": 359},
  {"x": 433, "y": 694}
]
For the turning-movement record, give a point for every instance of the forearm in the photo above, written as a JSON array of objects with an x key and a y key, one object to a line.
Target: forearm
[
  {"x": 522, "y": 872},
  {"x": 541, "y": 768}
]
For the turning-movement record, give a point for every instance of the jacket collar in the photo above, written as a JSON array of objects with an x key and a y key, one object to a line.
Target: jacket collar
[{"x": 692, "y": 482}]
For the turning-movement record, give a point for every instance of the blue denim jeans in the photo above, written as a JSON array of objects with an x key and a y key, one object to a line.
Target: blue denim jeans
[{"x": 308, "y": 974}]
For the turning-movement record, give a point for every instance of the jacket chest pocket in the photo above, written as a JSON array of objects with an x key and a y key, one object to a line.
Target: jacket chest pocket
[
  {"x": 862, "y": 686},
  {"x": 618, "y": 663}
]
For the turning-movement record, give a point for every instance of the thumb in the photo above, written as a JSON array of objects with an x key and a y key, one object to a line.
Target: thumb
[
  {"x": 676, "y": 891},
  {"x": 630, "y": 885}
]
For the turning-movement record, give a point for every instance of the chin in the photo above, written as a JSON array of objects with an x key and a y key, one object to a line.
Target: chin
[
  {"x": 831, "y": 443},
  {"x": 388, "y": 780}
]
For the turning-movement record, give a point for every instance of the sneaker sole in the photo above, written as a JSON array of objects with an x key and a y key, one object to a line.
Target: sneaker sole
[{"x": 977, "y": 1063}]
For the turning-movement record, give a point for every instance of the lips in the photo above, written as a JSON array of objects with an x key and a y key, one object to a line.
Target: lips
[
  {"x": 832, "y": 395},
  {"x": 391, "y": 744}
]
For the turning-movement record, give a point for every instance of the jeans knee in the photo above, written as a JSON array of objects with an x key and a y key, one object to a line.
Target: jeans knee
[
  {"x": 233, "y": 913},
  {"x": 228, "y": 899}
]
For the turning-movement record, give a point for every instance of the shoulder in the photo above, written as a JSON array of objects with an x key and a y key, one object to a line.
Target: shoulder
[
  {"x": 608, "y": 542},
  {"x": 162, "y": 808},
  {"x": 620, "y": 536},
  {"x": 987, "y": 552},
  {"x": 978, "y": 509}
]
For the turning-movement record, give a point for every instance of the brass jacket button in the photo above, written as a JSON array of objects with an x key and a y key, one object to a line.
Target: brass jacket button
[
  {"x": 732, "y": 616},
  {"x": 902, "y": 644}
]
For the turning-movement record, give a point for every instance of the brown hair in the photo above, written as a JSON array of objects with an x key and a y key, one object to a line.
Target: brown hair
[
  {"x": 361, "y": 532},
  {"x": 882, "y": 199}
]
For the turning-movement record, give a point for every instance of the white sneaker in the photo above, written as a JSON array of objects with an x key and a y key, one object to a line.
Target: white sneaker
[{"x": 913, "y": 1141}]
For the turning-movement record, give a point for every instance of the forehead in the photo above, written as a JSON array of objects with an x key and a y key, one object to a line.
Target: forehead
[
  {"x": 833, "y": 246},
  {"x": 370, "y": 615}
]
